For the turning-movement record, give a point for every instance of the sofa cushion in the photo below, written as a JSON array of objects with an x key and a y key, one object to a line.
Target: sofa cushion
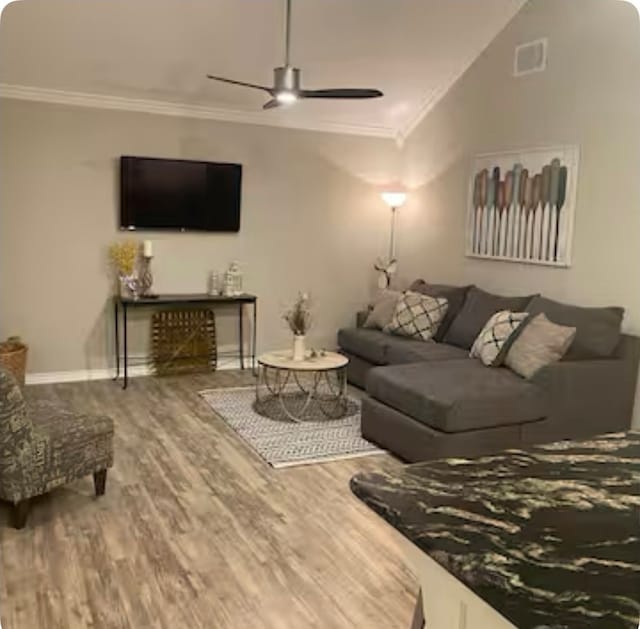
[
  {"x": 403, "y": 350},
  {"x": 368, "y": 344},
  {"x": 455, "y": 296},
  {"x": 382, "y": 349},
  {"x": 384, "y": 307},
  {"x": 458, "y": 395},
  {"x": 478, "y": 308},
  {"x": 597, "y": 329}
]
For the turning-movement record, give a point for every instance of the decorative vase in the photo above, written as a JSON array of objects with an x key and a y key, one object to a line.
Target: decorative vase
[
  {"x": 298, "y": 347},
  {"x": 233, "y": 280},
  {"x": 214, "y": 283},
  {"x": 130, "y": 286}
]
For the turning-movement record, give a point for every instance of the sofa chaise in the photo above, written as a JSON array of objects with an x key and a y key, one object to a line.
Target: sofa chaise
[{"x": 427, "y": 399}]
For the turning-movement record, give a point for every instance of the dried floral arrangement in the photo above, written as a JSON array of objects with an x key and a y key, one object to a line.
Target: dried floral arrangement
[
  {"x": 124, "y": 255},
  {"x": 298, "y": 317}
]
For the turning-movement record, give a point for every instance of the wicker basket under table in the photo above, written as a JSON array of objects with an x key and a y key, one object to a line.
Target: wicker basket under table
[{"x": 183, "y": 341}]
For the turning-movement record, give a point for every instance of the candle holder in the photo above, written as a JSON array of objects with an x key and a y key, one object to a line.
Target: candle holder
[{"x": 146, "y": 277}]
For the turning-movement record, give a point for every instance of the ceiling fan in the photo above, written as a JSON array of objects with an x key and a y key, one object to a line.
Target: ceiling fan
[{"x": 286, "y": 88}]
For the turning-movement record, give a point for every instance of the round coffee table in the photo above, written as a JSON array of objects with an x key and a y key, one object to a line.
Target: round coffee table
[{"x": 300, "y": 388}]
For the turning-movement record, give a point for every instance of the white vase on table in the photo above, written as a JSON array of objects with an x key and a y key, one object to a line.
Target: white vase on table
[{"x": 298, "y": 347}]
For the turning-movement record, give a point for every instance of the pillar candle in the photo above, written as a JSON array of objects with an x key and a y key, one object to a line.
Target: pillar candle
[{"x": 147, "y": 249}]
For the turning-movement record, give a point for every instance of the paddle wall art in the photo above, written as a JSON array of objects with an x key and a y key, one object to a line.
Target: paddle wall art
[{"x": 522, "y": 206}]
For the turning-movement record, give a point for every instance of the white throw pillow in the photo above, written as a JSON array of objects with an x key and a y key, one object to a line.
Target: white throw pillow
[
  {"x": 540, "y": 344},
  {"x": 384, "y": 305},
  {"x": 491, "y": 344},
  {"x": 417, "y": 316}
]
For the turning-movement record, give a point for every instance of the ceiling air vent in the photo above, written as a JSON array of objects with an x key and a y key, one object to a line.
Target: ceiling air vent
[{"x": 530, "y": 57}]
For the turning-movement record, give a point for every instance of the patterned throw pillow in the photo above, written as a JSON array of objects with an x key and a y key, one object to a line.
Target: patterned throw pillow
[
  {"x": 493, "y": 341},
  {"x": 417, "y": 316}
]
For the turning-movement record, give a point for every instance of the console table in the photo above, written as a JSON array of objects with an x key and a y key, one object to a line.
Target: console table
[{"x": 122, "y": 305}]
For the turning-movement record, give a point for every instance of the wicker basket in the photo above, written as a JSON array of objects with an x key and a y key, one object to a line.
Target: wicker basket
[
  {"x": 13, "y": 357},
  {"x": 183, "y": 341}
]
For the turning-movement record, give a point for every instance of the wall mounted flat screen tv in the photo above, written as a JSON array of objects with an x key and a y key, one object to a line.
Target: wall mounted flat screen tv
[{"x": 179, "y": 195}]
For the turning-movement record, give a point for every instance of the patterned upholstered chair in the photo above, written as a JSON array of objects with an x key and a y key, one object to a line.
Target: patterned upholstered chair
[{"x": 43, "y": 447}]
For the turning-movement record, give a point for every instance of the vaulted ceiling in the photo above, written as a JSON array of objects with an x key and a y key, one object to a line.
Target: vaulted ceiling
[{"x": 127, "y": 53}]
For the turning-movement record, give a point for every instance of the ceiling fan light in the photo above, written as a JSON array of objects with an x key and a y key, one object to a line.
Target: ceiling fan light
[{"x": 286, "y": 97}]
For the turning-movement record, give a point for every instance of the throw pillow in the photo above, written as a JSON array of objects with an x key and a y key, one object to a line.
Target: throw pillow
[
  {"x": 455, "y": 295},
  {"x": 597, "y": 329},
  {"x": 493, "y": 341},
  {"x": 384, "y": 305},
  {"x": 540, "y": 344},
  {"x": 417, "y": 316},
  {"x": 476, "y": 311}
]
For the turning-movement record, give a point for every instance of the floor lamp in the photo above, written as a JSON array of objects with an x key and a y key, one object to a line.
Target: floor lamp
[{"x": 387, "y": 266}]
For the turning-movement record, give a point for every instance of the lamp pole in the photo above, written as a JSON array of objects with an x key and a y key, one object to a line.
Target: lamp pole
[
  {"x": 394, "y": 200},
  {"x": 392, "y": 239}
]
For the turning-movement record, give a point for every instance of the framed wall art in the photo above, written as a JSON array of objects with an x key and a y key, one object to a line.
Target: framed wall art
[{"x": 522, "y": 206}]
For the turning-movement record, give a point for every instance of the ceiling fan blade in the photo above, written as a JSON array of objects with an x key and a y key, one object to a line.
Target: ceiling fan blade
[
  {"x": 271, "y": 104},
  {"x": 241, "y": 83},
  {"x": 341, "y": 93}
]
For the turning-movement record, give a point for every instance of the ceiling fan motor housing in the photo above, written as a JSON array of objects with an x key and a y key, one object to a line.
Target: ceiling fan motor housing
[{"x": 286, "y": 79}]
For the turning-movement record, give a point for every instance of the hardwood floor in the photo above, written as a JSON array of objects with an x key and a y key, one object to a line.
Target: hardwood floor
[{"x": 196, "y": 531}]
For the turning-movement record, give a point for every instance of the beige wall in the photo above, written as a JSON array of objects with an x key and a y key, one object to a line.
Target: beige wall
[
  {"x": 311, "y": 220},
  {"x": 589, "y": 96}
]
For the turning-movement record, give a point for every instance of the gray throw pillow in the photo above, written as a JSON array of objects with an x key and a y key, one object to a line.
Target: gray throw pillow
[
  {"x": 539, "y": 344},
  {"x": 597, "y": 329},
  {"x": 384, "y": 305},
  {"x": 478, "y": 308},
  {"x": 455, "y": 296}
]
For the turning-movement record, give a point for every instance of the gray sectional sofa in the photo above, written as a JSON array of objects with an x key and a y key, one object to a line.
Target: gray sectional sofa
[{"x": 427, "y": 400}]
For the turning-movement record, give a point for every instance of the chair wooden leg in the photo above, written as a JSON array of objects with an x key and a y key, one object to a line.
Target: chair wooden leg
[
  {"x": 100, "y": 482},
  {"x": 20, "y": 513}
]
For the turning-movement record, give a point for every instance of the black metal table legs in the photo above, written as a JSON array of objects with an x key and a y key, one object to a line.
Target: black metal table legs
[
  {"x": 255, "y": 336},
  {"x": 116, "y": 323},
  {"x": 241, "y": 335},
  {"x": 117, "y": 336},
  {"x": 126, "y": 348},
  {"x": 121, "y": 309}
]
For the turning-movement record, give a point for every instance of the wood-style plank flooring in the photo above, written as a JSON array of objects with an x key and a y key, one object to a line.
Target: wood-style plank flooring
[{"x": 196, "y": 531}]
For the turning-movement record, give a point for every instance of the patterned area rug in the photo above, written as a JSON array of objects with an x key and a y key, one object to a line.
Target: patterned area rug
[{"x": 284, "y": 443}]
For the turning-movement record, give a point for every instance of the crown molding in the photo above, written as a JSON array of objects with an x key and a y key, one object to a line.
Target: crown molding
[
  {"x": 183, "y": 110},
  {"x": 426, "y": 107},
  {"x": 430, "y": 102}
]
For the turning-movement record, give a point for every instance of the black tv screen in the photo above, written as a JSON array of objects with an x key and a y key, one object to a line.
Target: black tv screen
[{"x": 179, "y": 195}]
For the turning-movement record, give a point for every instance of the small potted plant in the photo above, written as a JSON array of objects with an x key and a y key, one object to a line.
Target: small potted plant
[{"x": 298, "y": 317}]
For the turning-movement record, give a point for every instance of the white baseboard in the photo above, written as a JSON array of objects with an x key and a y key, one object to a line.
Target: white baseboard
[{"x": 134, "y": 371}]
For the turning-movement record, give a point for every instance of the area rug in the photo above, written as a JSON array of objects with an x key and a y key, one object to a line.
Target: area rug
[{"x": 284, "y": 443}]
